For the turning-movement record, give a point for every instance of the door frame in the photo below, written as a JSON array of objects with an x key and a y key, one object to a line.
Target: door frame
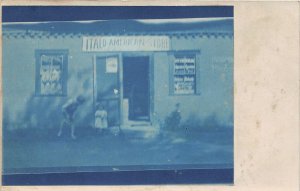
[
  {"x": 120, "y": 78},
  {"x": 150, "y": 79},
  {"x": 120, "y": 56}
]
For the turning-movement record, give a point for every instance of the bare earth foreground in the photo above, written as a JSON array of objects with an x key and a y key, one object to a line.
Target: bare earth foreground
[{"x": 33, "y": 150}]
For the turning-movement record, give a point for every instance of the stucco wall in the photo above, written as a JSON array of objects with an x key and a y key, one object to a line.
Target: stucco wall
[
  {"x": 23, "y": 109},
  {"x": 215, "y": 82}
]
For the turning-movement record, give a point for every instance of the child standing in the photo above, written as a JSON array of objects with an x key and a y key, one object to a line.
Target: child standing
[
  {"x": 101, "y": 118},
  {"x": 173, "y": 120}
]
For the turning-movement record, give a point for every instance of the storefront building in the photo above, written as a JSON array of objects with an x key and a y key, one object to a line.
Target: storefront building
[{"x": 138, "y": 70}]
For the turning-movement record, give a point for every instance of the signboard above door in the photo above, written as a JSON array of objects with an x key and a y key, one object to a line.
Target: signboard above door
[{"x": 125, "y": 43}]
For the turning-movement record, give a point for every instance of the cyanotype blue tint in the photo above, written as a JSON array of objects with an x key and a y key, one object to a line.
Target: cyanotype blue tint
[
  {"x": 79, "y": 13},
  {"x": 118, "y": 95}
]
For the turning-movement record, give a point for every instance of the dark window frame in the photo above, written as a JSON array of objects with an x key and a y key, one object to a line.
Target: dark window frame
[
  {"x": 172, "y": 57},
  {"x": 64, "y": 74}
]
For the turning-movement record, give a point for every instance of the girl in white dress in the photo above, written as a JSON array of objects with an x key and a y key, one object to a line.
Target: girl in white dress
[{"x": 101, "y": 118}]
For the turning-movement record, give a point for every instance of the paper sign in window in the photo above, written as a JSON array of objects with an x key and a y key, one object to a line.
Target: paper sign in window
[
  {"x": 50, "y": 74},
  {"x": 184, "y": 75},
  {"x": 111, "y": 65}
]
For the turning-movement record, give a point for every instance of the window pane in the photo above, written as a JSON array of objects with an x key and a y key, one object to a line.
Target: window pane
[
  {"x": 184, "y": 74},
  {"x": 51, "y": 67}
]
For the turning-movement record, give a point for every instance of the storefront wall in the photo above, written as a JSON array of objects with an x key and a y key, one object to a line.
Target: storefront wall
[
  {"x": 22, "y": 108},
  {"x": 214, "y": 98}
]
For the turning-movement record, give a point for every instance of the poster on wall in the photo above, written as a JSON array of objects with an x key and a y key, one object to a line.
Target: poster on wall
[
  {"x": 111, "y": 65},
  {"x": 51, "y": 74},
  {"x": 184, "y": 75}
]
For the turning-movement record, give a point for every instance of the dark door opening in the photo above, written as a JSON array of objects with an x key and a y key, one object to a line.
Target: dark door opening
[{"x": 136, "y": 87}]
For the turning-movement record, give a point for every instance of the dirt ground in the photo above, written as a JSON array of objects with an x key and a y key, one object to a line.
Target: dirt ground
[{"x": 31, "y": 149}]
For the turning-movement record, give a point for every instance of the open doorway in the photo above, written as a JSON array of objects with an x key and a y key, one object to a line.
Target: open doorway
[{"x": 136, "y": 98}]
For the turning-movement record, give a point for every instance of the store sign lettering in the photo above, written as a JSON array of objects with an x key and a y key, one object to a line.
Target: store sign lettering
[{"x": 125, "y": 43}]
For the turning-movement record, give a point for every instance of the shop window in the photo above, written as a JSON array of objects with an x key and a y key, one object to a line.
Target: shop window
[
  {"x": 183, "y": 70},
  {"x": 51, "y": 72}
]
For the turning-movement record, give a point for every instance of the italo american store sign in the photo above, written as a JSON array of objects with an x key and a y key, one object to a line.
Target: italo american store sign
[{"x": 125, "y": 43}]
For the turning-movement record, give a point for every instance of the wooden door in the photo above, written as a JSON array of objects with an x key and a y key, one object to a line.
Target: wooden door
[{"x": 107, "y": 87}]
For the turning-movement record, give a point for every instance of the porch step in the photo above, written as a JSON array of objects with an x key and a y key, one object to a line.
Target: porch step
[
  {"x": 137, "y": 123},
  {"x": 144, "y": 131}
]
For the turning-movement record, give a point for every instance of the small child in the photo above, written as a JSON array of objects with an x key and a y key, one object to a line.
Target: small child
[
  {"x": 176, "y": 116},
  {"x": 101, "y": 118},
  {"x": 173, "y": 120}
]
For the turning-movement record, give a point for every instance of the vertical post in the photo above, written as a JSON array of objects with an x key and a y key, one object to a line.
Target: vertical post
[
  {"x": 37, "y": 73},
  {"x": 171, "y": 60},
  {"x": 151, "y": 88},
  {"x": 94, "y": 84},
  {"x": 121, "y": 88}
]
